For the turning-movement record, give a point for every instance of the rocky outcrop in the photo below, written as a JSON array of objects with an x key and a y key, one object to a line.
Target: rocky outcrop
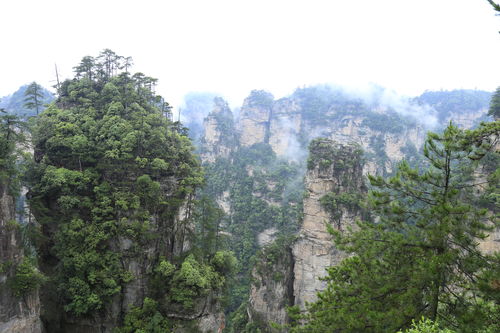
[
  {"x": 18, "y": 314},
  {"x": 271, "y": 291},
  {"x": 288, "y": 273},
  {"x": 385, "y": 134},
  {"x": 288, "y": 125},
  {"x": 284, "y": 129},
  {"x": 468, "y": 119},
  {"x": 333, "y": 169},
  {"x": 256, "y": 114},
  {"x": 219, "y": 137},
  {"x": 206, "y": 316}
]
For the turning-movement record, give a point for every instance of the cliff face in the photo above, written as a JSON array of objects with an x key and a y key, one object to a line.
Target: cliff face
[
  {"x": 18, "y": 314},
  {"x": 272, "y": 288},
  {"x": 256, "y": 114},
  {"x": 206, "y": 315},
  {"x": 290, "y": 123},
  {"x": 219, "y": 138},
  {"x": 288, "y": 126},
  {"x": 333, "y": 170}
]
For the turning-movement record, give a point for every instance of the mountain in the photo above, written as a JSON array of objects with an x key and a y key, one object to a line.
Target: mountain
[
  {"x": 273, "y": 176},
  {"x": 14, "y": 103}
]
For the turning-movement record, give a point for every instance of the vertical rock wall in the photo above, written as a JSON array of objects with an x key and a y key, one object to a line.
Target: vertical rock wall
[
  {"x": 272, "y": 288},
  {"x": 219, "y": 137},
  {"x": 256, "y": 114},
  {"x": 18, "y": 314},
  {"x": 333, "y": 168}
]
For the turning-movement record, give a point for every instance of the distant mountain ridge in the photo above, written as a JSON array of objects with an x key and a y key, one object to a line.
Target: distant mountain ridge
[{"x": 14, "y": 103}]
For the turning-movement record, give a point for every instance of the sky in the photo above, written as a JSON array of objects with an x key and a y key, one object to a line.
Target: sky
[{"x": 233, "y": 46}]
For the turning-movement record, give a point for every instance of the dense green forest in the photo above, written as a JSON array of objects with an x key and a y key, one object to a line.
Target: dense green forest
[
  {"x": 110, "y": 174},
  {"x": 127, "y": 228}
]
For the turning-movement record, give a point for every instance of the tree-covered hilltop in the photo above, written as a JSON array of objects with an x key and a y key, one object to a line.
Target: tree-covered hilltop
[
  {"x": 16, "y": 103},
  {"x": 458, "y": 101},
  {"x": 112, "y": 188}
]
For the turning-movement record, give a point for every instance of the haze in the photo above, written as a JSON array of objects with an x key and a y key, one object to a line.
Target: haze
[{"x": 231, "y": 47}]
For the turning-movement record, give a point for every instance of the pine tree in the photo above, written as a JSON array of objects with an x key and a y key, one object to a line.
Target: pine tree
[
  {"x": 11, "y": 139},
  {"x": 33, "y": 97},
  {"x": 495, "y": 104},
  {"x": 420, "y": 255}
]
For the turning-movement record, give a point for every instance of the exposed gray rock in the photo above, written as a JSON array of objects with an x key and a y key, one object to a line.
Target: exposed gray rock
[
  {"x": 219, "y": 137},
  {"x": 18, "y": 314},
  {"x": 271, "y": 291},
  {"x": 314, "y": 251}
]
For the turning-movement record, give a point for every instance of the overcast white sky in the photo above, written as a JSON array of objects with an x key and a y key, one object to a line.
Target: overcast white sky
[{"x": 233, "y": 46}]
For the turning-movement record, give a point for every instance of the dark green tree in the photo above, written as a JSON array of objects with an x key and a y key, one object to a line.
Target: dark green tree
[
  {"x": 12, "y": 139},
  {"x": 207, "y": 217},
  {"x": 494, "y": 5},
  {"x": 494, "y": 110},
  {"x": 33, "y": 97},
  {"x": 420, "y": 256}
]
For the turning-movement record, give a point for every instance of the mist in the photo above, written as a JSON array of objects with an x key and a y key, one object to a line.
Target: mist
[
  {"x": 195, "y": 107},
  {"x": 386, "y": 100}
]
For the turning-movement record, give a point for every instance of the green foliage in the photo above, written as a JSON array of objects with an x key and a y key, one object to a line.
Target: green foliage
[
  {"x": 225, "y": 262},
  {"x": 425, "y": 325},
  {"x": 165, "y": 268},
  {"x": 323, "y": 103},
  {"x": 260, "y": 98},
  {"x": 323, "y": 154},
  {"x": 390, "y": 122},
  {"x": 263, "y": 192},
  {"x": 495, "y": 6},
  {"x": 420, "y": 257},
  {"x": 207, "y": 217},
  {"x": 15, "y": 104},
  {"x": 33, "y": 97},
  {"x": 145, "y": 319},
  {"x": 12, "y": 140},
  {"x": 275, "y": 252},
  {"x": 316, "y": 101},
  {"x": 239, "y": 322},
  {"x": 110, "y": 166},
  {"x": 455, "y": 101},
  {"x": 27, "y": 278},
  {"x": 334, "y": 203},
  {"x": 193, "y": 280},
  {"x": 494, "y": 110},
  {"x": 5, "y": 266}
]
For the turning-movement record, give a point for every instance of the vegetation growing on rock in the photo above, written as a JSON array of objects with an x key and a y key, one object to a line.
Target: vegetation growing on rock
[{"x": 112, "y": 174}]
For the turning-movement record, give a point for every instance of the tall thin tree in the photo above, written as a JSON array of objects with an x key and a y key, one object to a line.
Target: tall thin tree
[{"x": 33, "y": 97}]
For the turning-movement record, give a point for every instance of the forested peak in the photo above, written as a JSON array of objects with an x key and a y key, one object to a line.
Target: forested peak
[
  {"x": 106, "y": 78},
  {"x": 107, "y": 64},
  {"x": 324, "y": 152},
  {"x": 318, "y": 99},
  {"x": 221, "y": 106},
  {"x": 110, "y": 165},
  {"x": 259, "y": 98},
  {"x": 323, "y": 92},
  {"x": 455, "y": 101}
]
